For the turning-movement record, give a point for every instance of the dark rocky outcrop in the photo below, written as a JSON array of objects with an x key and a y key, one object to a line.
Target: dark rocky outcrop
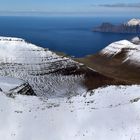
[{"x": 24, "y": 89}]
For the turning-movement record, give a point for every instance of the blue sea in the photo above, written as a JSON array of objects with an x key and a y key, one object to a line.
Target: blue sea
[{"x": 71, "y": 35}]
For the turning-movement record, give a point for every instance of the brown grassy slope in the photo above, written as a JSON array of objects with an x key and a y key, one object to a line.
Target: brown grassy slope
[
  {"x": 93, "y": 79},
  {"x": 113, "y": 67}
]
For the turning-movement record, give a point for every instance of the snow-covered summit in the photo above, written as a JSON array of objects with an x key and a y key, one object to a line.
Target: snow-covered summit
[
  {"x": 17, "y": 50},
  {"x": 131, "y": 50},
  {"x": 116, "y": 47},
  {"x": 133, "y": 22}
]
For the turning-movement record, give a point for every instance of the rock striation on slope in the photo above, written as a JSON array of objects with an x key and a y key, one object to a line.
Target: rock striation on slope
[
  {"x": 12, "y": 86},
  {"x": 41, "y": 68}
]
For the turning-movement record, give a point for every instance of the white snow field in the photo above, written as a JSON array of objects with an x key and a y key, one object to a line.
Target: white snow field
[{"x": 111, "y": 113}]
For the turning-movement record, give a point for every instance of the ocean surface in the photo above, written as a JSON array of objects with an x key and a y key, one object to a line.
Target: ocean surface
[{"x": 71, "y": 35}]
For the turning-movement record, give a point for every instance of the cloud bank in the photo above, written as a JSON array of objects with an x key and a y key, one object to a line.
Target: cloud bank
[{"x": 121, "y": 5}]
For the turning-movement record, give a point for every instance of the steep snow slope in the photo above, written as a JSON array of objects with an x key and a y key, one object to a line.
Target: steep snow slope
[
  {"x": 111, "y": 113},
  {"x": 40, "y": 67}
]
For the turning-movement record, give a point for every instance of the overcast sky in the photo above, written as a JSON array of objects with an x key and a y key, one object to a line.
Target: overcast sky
[{"x": 71, "y": 7}]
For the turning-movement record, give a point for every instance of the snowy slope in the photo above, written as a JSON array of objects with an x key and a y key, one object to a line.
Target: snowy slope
[
  {"x": 132, "y": 51},
  {"x": 39, "y": 67},
  {"x": 135, "y": 40},
  {"x": 111, "y": 113},
  {"x": 16, "y": 50}
]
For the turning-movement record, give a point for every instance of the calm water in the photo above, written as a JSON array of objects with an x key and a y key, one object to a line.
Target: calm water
[{"x": 72, "y": 35}]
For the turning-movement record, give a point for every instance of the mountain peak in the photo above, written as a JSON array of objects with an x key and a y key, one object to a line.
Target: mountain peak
[
  {"x": 130, "y": 51},
  {"x": 116, "y": 47},
  {"x": 133, "y": 22}
]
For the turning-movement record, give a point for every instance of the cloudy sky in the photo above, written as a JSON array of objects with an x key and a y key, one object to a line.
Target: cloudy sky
[{"x": 71, "y": 7}]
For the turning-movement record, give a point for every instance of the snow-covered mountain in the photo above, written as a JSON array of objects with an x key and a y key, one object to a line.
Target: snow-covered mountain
[
  {"x": 132, "y": 51},
  {"x": 133, "y": 22},
  {"x": 41, "y": 68}
]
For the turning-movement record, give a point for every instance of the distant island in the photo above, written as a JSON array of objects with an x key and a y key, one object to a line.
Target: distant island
[{"x": 132, "y": 26}]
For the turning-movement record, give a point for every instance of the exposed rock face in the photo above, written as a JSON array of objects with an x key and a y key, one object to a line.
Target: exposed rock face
[
  {"x": 41, "y": 68},
  {"x": 132, "y": 26},
  {"x": 12, "y": 86},
  {"x": 24, "y": 89}
]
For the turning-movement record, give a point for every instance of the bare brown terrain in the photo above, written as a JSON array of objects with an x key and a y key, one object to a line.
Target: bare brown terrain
[
  {"x": 98, "y": 77},
  {"x": 113, "y": 67},
  {"x": 93, "y": 79}
]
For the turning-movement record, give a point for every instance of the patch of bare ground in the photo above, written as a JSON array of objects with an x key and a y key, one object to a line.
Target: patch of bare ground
[{"x": 93, "y": 79}]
